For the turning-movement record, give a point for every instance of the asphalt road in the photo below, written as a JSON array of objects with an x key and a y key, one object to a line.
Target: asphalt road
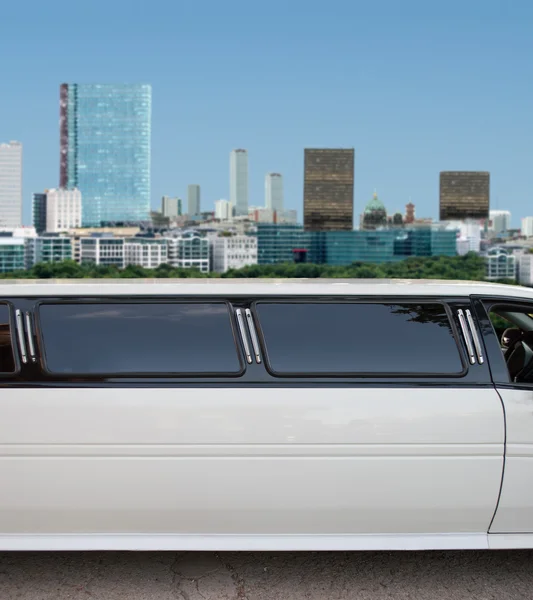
[{"x": 502, "y": 575}]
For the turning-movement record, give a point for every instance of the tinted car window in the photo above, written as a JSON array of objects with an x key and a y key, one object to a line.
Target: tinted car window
[
  {"x": 138, "y": 338},
  {"x": 343, "y": 338},
  {"x": 7, "y": 359}
]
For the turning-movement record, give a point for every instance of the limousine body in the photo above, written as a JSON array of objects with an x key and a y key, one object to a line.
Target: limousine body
[{"x": 265, "y": 415}]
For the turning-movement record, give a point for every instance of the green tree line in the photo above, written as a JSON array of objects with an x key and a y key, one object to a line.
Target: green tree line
[{"x": 469, "y": 266}]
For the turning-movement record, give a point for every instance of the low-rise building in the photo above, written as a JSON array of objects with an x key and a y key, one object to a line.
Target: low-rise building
[
  {"x": 289, "y": 243},
  {"x": 189, "y": 251},
  {"x": 233, "y": 252},
  {"x": 48, "y": 249},
  {"x": 102, "y": 250},
  {"x": 146, "y": 252},
  {"x": 12, "y": 253},
  {"x": 525, "y": 269},
  {"x": 500, "y": 264}
]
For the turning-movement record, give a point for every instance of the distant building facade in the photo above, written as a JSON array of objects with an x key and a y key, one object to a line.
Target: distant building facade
[
  {"x": 287, "y": 216},
  {"x": 500, "y": 221},
  {"x": 527, "y": 226},
  {"x": 38, "y": 210},
  {"x": 63, "y": 210},
  {"x": 104, "y": 250},
  {"x": 274, "y": 192},
  {"x": 287, "y": 243},
  {"x": 233, "y": 252},
  {"x": 328, "y": 189},
  {"x": 193, "y": 200},
  {"x": 238, "y": 183},
  {"x": 11, "y": 184},
  {"x": 48, "y": 249},
  {"x": 105, "y": 133},
  {"x": 223, "y": 210},
  {"x": 500, "y": 264},
  {"x": 464, "y": 195},
  {"x": 12, "y": 253},
  {"x": 171, "y": 207},
  {"x": 189, "y": 251},
  {"x": 525, "y": 269},
  {"x": 146, "y": 252}
]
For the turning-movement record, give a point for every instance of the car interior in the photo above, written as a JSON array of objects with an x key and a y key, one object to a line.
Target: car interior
[{"x": 515, "y": 331}]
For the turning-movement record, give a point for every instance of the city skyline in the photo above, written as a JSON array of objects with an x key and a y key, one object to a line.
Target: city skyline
[{"x": 412, "y": 105}]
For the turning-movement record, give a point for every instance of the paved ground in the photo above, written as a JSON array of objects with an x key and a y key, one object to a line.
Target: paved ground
[{"x": 267, "y": 576}]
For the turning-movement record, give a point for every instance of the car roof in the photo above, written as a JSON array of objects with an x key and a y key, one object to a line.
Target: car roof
[{"x": 258, "y": 287}]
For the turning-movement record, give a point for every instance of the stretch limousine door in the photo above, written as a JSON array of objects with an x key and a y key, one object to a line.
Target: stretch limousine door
[{"x": 260, "y": 418}]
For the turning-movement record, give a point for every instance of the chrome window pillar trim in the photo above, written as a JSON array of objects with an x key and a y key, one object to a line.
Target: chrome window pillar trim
[
  {"x": 20, "y": 335},
  {"x": 466, "y": 336},
  {"x": 242, "y": 330},
  {"x": 475, "y": 336},
  {"x": 253, "y": 335}
]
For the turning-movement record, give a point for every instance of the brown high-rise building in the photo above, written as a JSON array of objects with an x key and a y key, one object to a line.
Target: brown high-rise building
[
  {"x": 464, "y": 195},
  {"x": 328, "y": 189}
]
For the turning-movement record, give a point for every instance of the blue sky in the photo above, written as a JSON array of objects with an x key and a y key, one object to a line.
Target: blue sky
[{"x": 415, "y": 86}]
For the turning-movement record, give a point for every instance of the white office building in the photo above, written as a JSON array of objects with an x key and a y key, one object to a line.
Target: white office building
[
  {"x": 500, "y": 264},
  {"x": 104, "y": 250},
  {"x": 238, "y": 181},
  {"x": 260, "y": 214},
  {"x": 193, "y": 200},
  {"x": 525, "y": 269},
  {"x": 11, "y": 185},
  {"x": 170, "y": 207},
  {"x": 189, "y": 251},
  {"x": 468, "y": 235},
  {"x": 527, "y": 226},
  {"x": 274, "y": 192},
  {"x": 223, "y": 210},
  {"x": 146, "y": 252},
  {"x": 286, "y": 217},
  {"x": 63, "y": 210},
  {"x": 233, "y": 252},
  {"x": 500, "y": 221}
]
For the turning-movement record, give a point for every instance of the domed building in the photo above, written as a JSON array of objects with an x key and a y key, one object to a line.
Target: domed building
[{"x": 374, "y": 215}]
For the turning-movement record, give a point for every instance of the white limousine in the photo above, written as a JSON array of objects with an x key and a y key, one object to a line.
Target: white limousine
[{"x": 265, "y": 415}]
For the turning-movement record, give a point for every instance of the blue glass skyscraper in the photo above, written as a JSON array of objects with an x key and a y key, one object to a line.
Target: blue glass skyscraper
[{"x": 105, "y": 150}]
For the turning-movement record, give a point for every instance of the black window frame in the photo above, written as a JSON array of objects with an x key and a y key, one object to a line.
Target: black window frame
[
  {"x": 363, "y": 375},
  {"x": 500, "y": 373},
  {"x": 41, "y": 348},
  {"x": 15, "y": 346}
]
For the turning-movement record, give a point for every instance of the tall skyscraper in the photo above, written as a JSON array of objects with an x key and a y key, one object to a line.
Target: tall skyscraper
[
  {"x": 238, "y": 181},
  {"x": 193, "y": 199},
  {"x": 105, "y": 150},
  {"x": 10, "y": 185},
  {"x": 274, "y": 191},
  {"x": 464, "y": 195},
  {"x": 328, "y": 189}
]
